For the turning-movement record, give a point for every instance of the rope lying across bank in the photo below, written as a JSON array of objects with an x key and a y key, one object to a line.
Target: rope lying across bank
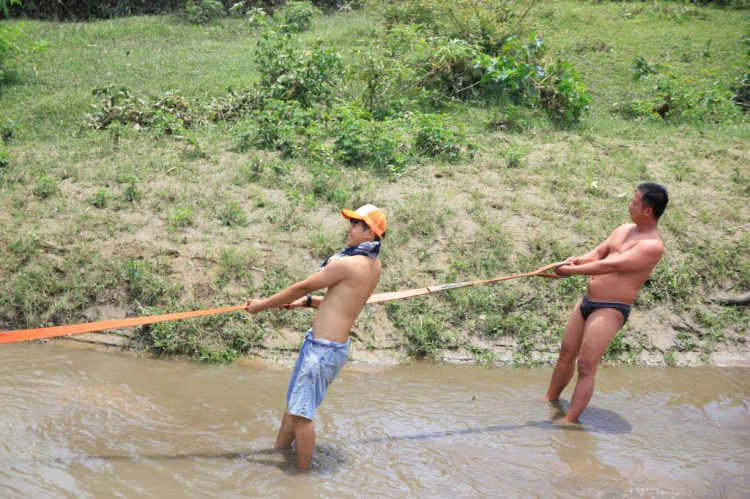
[{"x": 90, "y": 327}]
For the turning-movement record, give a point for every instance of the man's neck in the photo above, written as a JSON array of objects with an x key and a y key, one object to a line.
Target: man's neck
[{"x": 646, "y": 225}]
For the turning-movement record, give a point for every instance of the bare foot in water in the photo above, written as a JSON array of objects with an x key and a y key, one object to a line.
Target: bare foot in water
[
  {"x": 556, "y": 410},
  {"x": 568, "y": 425}
]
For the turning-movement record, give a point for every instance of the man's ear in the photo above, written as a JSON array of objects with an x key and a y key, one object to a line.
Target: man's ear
[{"x": 648, "y": 211}]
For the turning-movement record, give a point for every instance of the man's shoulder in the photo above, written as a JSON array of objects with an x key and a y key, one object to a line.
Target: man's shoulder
[
  {"x": 652, "y": 247},
  {"x": 351, "y": 263}
]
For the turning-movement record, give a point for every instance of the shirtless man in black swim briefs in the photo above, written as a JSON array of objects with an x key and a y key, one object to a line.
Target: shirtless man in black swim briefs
[{"x": 618, "y": 268}]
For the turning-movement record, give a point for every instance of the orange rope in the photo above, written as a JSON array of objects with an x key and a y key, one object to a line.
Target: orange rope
[{"x": 90, "y": 327}]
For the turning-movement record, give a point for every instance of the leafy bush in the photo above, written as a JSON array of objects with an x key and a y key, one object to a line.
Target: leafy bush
[
  {"x": 274, "y": 127},
  {"x": 15, "y": 42},
  {"x": 181, "y": 217},
  {"x": 409, "y": 65},
  {"x": 296, "y": 16},
  {"x": 117, "y": 105},
  {"x": 45, "y": 187},
  {"x": 100, "y": 199},
  {"x": 92, "y": 9},
  {"x": 166, "y": 114},
  {"x": 698, "y": 97},
  {"x": 232, "y": 214},
  {"x": 361, "y": 141},
  {"x": 487, "y": 23},
  {"x": 132, "y": 192},
  {"x": 4, "y": 155},
  {"x": 287, "y": 73},
  {"x": 433, "y": 137},
  {"x": 523, "y": 74},
  {"x": 203, "y": 11},
  {"x": 642, "y": 68}
]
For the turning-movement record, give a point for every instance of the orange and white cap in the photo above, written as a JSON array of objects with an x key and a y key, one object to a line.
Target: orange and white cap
[{"x": 372, "y": 216}]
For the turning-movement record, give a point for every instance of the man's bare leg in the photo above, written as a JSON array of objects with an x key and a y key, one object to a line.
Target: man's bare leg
[
  {"x": 566, "y": 364},
  {"x": 601, "y": 327},
  {"x": 304, "y": 436},
  {"x": 286, "y": 433}
]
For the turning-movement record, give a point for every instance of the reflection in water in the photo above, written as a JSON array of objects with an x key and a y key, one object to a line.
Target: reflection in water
[
  {"x": 78, "y": 423},
  {"x": 606, "y": 422}
]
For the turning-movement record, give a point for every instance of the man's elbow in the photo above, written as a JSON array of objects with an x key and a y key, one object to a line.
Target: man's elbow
[{"x": 302, "y": 287}]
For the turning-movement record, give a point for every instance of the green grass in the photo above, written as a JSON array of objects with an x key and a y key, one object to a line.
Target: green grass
[{"x": 142, "y": 219}]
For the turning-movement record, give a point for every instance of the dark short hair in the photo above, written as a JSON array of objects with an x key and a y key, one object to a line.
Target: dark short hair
[
  {"x": 364, "y": 224},
  {"x": 655, "y": 196}
]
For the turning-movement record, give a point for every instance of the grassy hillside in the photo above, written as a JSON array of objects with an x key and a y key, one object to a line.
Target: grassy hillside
[{"x": 129, "y": 220}]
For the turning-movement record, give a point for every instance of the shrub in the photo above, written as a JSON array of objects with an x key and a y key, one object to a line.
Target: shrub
[
  {"x": 181, "y": 217},
  {"x": 410, "y": 65},
  {"x": 487, "y": 23},
  {"x": 15, "y": 42},
  {"x": 167, "y": 114},
  {"x": 100, "y": 199},
  {"x": 434, "y": 138},
  {"x": 522, "y": 74},
  {"x": 132, "y": 193},
  {"x": 274, "y": 126},
  {"x": 642, "y": 68},
  {"x": 4, "y": 156},
  {"x": 287, "y": 73},
  {"x": 92, "y": 9},
  {"x": 742, "y": 91},
  {"x": 296, "y": 16},
  {"x": 232, "y": 214},
  {"x": 203, "y": 11},
  {"x": 45, "y": 187},
  {"x": 360, "y": 141},
  {"x": 694, "y": 97}
]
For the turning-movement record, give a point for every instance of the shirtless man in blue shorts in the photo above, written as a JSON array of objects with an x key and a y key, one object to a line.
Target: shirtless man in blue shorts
[
  {"x": 350, "y": 276},
  {"x": 618, "y": 268}
]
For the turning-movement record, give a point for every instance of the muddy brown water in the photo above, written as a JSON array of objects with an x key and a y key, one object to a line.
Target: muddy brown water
[{"x": 82, "y": 423}]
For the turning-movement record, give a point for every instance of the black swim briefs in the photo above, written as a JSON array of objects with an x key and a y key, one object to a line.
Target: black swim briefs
[{"x": 588, "y": 306}]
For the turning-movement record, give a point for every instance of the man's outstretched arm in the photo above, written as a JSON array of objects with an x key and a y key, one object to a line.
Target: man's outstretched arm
[
  {"x": 598, "y": 253},
  {"x": 639, "y": 257},
  {"x": 334, "y": 272}
]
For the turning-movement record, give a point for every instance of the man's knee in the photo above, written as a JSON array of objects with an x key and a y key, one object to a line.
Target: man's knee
[
  {"x": 568, "y": 354},
  {"x": 587, "y": 366}
]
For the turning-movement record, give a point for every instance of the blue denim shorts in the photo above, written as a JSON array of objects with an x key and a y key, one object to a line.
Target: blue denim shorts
[{"x": 319, "y": 362}]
